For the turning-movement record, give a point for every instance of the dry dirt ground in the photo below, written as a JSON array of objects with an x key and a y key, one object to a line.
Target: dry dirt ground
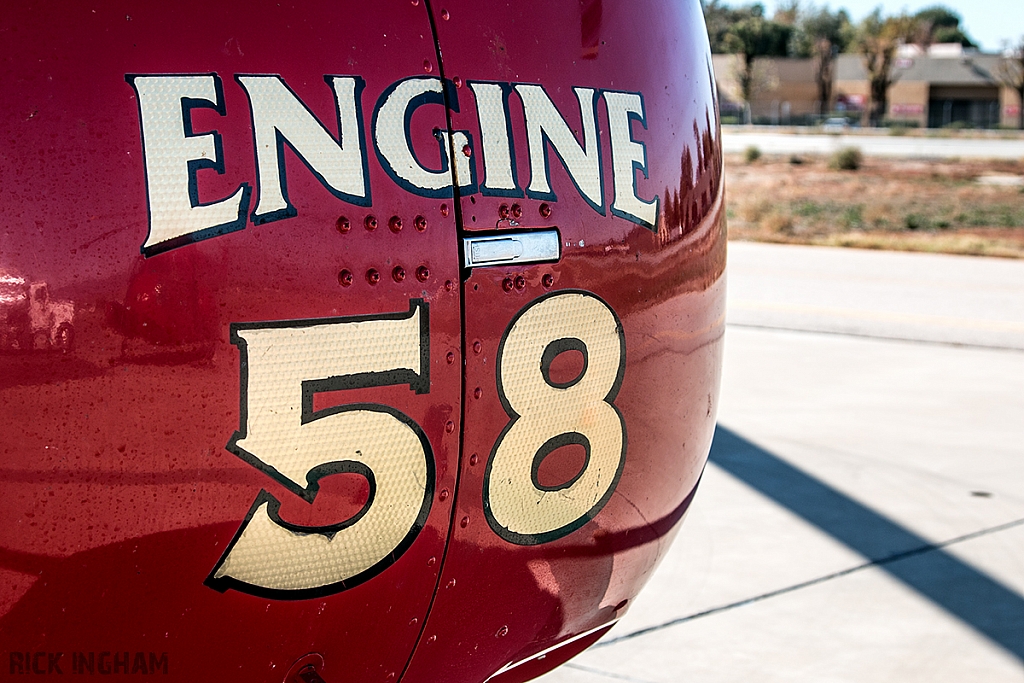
[{"x": 951, "y": 206}]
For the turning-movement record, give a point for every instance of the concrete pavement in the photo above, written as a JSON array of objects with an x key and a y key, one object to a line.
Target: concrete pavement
[
  {"x": 862, "y": 515},
  {"x": 736, "y": 139}
]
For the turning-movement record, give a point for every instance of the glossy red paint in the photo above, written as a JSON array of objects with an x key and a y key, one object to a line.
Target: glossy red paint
[
  {"x": 119, "y": 496},
  {"x": 667, "y": 288},
  {"x": 118, "y": 493}
]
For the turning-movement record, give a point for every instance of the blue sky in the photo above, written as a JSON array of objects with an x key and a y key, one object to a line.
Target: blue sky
[{"x": 989, "y": 22}]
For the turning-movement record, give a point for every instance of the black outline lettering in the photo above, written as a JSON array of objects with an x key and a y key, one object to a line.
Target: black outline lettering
[
  {"x": 194, "y": 165},
  {"x": 549, "y": 447},
  {"x": 539, "y": 539},
  {"x": 632, "y": 116},
  {"x": 555, "y": 349},
  {"x": 506, "y": 93},
  {"x": 548, "y": 145},
  {"x": 419, "y": 383},
  {"x": 429, "y": 97},
  {"x": 289, "y": 211}
]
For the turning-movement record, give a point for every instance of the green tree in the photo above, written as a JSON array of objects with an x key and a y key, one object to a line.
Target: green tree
[
  {"x": 752, "y": 38},
  {"x": 1011, "y": 74},
  {"x": 822, "y": 34},
  {"x": 877, "y": 40},
  {"x": 942, "y": 25},
  {"x": 787, "y": 13},
  {"x": 719, "y": 18}
]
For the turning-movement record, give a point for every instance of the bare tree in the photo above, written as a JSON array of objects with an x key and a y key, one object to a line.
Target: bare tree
[
  {"x": 1011, "y": 74},
  {"x": 877, "y": 40},
  {"x": 822, "y": 34},
  {"x": 752, "y": 38}
]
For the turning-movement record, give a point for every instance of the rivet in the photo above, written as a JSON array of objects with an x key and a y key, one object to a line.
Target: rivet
[
  {"x": 444, "y": 494},
  {"x": 431, "y": 561},
  {"x": 548, "y": 279},
  {"x": 520, "y": 282},
  {"x": 395, "y": 224},
  {"x": 445, "y": 15},
  {"x": 422, "y": 273},
  {"x": 451, "y": 584},
  {"x": 478, "y": 392},
  {"x": 517, "y": 211},
  {"x": 449, "y": 426},
  {"x": 415, "y": 3},
  {"x": 507, "y": 284},
  {"x": 370, "y": 222},
  {"x": 464, "y": 522},
  {"x": 398, "y": 273},
  {"x": 345, "y": 278},
  {"x": 372, "y": 276},
  {"x": 427, "y": 66},
  {"x": 450, "y": 358},
  {"x": 477, "y": 347},
  {"x": 545, "y": 210},
  {"x": 457, "y": 81},
  {"x": 448, "y": 285},
  {"x": 473, "y": 460},
  {"x": 466, "y": 151},
  {"x": 431, "y": 639},
  {"x": 343, "y": 225},
  {"x": 502, "y": 632},
  {"x": 413, "y": 621},
  {"x": 420, "y": 223},
  {"x": 444, "y": 209},
  {"x": 503, "y": 211}
]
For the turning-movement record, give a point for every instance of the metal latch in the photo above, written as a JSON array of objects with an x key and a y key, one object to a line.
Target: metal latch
[{"x": 535, "y": 246}]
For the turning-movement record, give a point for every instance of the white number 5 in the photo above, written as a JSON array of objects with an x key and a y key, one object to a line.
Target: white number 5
[{"x": 283, "y": 365}]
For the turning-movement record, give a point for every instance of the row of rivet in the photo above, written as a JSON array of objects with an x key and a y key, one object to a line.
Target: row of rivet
[
  {"x": 370, "y": 223},
  {"x": 519, "y": 282},
  {"x": 345, "y": 277},
  {"x": 505, "y": 212},
  {"x": 515, "y": 211}
]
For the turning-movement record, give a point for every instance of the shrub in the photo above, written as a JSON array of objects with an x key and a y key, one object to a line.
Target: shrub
[
  {"x": 847, "y": 159},
  {"x": 853, "y": 216},
  {"x": 777, "y": 222},
  {"x": 751, "y": 154},
  {"x": 914, "y": 221},
  {"x": 796, "y": 160}
]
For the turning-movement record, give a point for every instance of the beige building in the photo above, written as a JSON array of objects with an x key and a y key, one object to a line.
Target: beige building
[
  {"x": 945, "y": 86},
  {"x": 942, "y": 88},
  {"x": 784, "y": 90}
]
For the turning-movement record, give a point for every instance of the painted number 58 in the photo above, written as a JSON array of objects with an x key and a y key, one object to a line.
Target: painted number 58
[{"x": 283, "y": 364}]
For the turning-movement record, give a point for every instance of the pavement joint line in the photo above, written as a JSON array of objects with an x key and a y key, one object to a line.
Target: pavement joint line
[
  {"x": 878, "y": 337},
  {"x": 896, "y": 557},
  {"x": 943, "y": 322},
  {"x": 606, "y": 674}
]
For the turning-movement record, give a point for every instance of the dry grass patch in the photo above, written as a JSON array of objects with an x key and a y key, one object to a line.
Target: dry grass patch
[{"x": 886, "y": 204}]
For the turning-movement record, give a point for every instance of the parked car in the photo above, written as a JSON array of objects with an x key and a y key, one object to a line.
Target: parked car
[{"x": 835, "y": 124}]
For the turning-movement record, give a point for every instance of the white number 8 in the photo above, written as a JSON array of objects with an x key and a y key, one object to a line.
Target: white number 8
[{"x": 546, "y": 415}]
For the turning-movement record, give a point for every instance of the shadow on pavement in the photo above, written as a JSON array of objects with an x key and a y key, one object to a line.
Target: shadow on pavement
[{"x": 981, "y": 602}]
